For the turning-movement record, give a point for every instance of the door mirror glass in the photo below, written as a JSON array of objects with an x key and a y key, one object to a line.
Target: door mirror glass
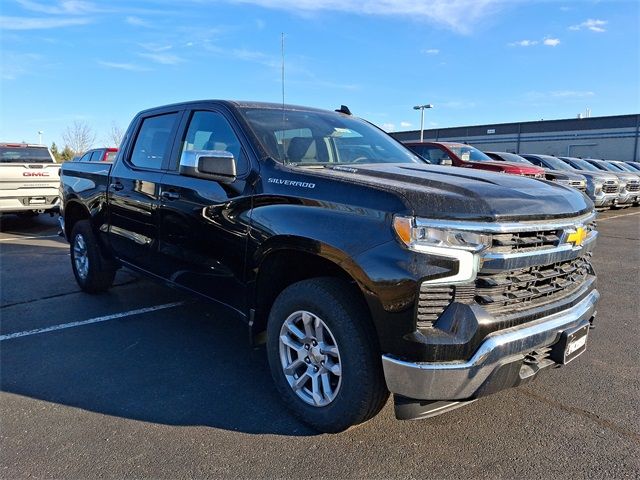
[{"x": 216, "y": 165}]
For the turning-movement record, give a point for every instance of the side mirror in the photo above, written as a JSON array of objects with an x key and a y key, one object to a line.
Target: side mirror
[
  {"x": 215, "y": 165},
  {"x": 446, "y": 161}
]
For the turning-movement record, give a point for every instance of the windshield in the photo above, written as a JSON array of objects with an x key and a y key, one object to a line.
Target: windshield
[
  {"x": 603, "y": 166},
  {"x": 512, "y": 157},
  {"x": 469, "y": 154},
  {"x": 580, "y": 164},
  {"x": 25, "y": 155},
  {"x": 556, "y": 164},
  {"x": 320, "y": 138}
]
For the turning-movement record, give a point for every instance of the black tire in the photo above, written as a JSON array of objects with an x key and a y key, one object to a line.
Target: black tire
[
  {"x": 99, "y": 274},
  {"x": 362, "y": 391}
]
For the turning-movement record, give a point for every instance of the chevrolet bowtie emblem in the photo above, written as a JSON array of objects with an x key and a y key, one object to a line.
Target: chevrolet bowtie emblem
[{"x": 577, "y": 237}]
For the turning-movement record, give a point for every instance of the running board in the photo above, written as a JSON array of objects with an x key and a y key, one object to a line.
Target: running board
[{"x": 411, "y": 409}]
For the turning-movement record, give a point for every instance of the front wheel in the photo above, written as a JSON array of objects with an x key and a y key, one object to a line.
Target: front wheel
[
  {"x": 323, "y": 355},
  {"x": 93, "y": 272}
]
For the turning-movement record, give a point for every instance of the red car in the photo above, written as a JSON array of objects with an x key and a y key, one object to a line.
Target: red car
[{"x": 463, "y": 155}]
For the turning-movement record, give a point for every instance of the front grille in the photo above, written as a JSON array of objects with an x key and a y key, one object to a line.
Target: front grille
[
  {"x": 633, "y": 187},
  {"x": 610, "y": 188},
  {"x": 526, "y": 288},
  {"x": 578, "y": 185},
  {"x": 525, "y": 241}
]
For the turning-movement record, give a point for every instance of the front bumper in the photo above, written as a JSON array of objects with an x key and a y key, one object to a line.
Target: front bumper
[
  {"x": 497, "y": 364},
  {"x": 605, "y": 199}
]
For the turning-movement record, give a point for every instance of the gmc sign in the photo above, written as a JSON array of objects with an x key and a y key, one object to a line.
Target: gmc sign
[{"x": 35, "y": 174}]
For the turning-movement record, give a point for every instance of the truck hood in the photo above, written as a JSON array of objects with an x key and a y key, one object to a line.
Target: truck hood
[
  {"x": 509, "y": 167},
  {"x": 454, "y": 193},
  {"x": 602, "y": 176},
  {"x": 562, "y": 175},
  {"x": 626, "y": 177}
]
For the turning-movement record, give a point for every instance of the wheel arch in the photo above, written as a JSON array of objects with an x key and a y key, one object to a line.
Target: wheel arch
[{"x": 286, "y": 264}]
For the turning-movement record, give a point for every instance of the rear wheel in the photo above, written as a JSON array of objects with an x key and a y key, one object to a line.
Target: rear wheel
[
  {"x": 323, "y": 355},
  {"x": 93, "y": 272}
]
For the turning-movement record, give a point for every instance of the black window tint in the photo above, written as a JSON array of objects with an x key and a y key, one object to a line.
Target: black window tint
[
  {"x": 211, "y": 131},
  {"x": 154, "y": 141},
  {"x": 96, "y": 156}
]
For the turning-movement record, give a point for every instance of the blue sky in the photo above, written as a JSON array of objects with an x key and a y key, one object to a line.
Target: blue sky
[{"x": 477, "y": 61}]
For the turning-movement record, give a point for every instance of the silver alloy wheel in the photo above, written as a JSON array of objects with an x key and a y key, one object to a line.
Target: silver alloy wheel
[
  {"x": 310, "y": 358},
  {"x": 80, "y": 256}
]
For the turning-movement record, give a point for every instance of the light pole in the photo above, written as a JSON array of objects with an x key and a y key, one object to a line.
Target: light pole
[
  {"x": 40, "y": 132},
  {"x": 421, "y": 108}
]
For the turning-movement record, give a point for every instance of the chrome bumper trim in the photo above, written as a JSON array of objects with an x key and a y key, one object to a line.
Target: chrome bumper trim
[
  {"x": 507, "y": 227},
  {"x": 461, "y": 380}
]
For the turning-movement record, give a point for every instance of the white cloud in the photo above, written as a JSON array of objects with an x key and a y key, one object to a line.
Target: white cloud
[
  {"x": 156, "y": 47},
  {"x": 131, "y": 67},
  {"x": 405, "y": 124},
  {"x": 431, "y": 51},
  {"x": 457, "y": 15},
  {"x": 65, "y": 7},
  {"x": 524, "y": 43},
  {"x": 163, "y": 58},
  {"x": 572, "y": 94},
  {"x": 39, "y": 23},
  {"x": 137, "y": 22},
  {"x": 388, "y": 127},
  {"x": 551, "y": 42},
  {"x": 591, "y": 24}
]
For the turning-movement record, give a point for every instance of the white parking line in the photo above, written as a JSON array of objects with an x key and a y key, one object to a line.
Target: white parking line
[
  {"x": 106, "y": 318},
  {"x": 9, "y": 239},
  {"x": 618, "y": 216}
]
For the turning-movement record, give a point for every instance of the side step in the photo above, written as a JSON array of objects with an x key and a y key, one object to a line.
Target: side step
[{"x": 412, "y": 409}]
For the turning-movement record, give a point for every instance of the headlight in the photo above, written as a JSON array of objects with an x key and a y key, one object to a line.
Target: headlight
[
  {"x": 597, "y": 185},
  {"x": 460, "y": 245}
]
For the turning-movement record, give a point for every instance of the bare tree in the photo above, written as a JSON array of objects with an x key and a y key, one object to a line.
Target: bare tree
[
  {"x": 79, "y": 137},
  {"x": 114, "y": 135}
]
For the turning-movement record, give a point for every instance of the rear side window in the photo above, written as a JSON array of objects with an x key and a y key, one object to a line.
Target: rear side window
[
  {"x": 96, "y": 156},
  {"x": 154, "y": 141},
  {"x": 86, "y": 157},
  {"x": 20, "y": 154}
]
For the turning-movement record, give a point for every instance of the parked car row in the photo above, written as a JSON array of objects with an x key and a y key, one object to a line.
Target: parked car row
[{"x": 609, "y": 184}]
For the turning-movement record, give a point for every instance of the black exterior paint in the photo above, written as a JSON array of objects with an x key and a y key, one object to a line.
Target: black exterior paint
[{"x": 214, "y": 238}]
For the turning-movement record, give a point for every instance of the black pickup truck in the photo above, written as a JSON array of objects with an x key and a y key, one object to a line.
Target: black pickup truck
[{"x": 364, "y": 269}]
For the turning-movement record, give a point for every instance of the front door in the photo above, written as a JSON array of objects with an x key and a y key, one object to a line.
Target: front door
[{"x": 204, "y": 223}]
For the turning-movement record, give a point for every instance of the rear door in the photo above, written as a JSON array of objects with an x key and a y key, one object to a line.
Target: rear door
[
  {"x": 134, "y": 189},
  {"x": 204, "y": 223}
]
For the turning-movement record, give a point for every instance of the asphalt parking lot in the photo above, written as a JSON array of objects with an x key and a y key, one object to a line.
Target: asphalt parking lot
[{"x": 174, "y": 390}]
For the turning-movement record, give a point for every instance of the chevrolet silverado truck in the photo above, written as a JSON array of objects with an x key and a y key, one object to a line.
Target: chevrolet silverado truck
[
  {"x": 29, "y": 180},
  {"x": 363, "y": 269}
]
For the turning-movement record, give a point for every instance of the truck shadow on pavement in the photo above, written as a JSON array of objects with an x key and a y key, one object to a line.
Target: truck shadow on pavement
[{"x": 183, "y": 366}]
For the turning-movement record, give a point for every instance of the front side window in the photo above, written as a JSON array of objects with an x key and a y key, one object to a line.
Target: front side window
[
  {"x": 321, "y": 138},
  {"x": 154, "y": 141},
  {"x": 211, "y": 131}
]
